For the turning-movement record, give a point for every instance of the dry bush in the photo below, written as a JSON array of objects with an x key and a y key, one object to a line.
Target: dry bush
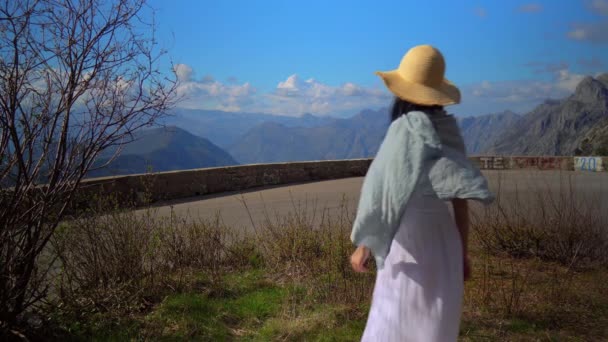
[
  {"x": 123, "y": 261},
  {"x": 311, "y": 248},
  {"x": 108, "y": 262},
  {"x": 562, "y": 226},
  {"x": 500, "y": 285}
]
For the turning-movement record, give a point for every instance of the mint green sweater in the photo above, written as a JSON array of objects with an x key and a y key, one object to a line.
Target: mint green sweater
[{"x": 419, "y": 152}]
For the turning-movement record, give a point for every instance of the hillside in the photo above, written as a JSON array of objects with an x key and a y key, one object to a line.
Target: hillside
[
  {"x": 480, "y": 132},
  {"x": 165, "y": 149},
  {"x": 355, "y": 137},
  {"x": 559, "y": 127},
  {"x": 226, "y": 128}
]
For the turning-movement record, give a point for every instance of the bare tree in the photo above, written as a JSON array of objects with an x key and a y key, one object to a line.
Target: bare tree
[{"x": 76, "y": 77}]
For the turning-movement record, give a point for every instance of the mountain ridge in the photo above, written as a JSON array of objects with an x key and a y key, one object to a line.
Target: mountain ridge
[
  {"x": 355, "y": 137},
  {"x": 558, "y": 127},
  {"x": 163, "y": 149}
]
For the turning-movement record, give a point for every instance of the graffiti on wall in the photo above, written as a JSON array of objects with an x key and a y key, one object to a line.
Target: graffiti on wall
[
  {"x": 588, "y": 164},
  {"x": 524, "y": 162},
  {"x": 550, "y": 163},
  {"x": 494, "y": 163},
  {"x": 543, "y": 163}
]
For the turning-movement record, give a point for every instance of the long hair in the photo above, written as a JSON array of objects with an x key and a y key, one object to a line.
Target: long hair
[{"x": 402, "y": 107}]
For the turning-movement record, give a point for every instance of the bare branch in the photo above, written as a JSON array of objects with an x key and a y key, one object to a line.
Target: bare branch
[{"x": 76, "y": 77}]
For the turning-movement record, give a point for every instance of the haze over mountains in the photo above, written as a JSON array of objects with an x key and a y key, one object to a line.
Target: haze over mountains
[
  {"x": 355, "y": 137},
  {"x": 226, "y": 128},
  {"x": 577, "y": 124},
  {"x": 164, "y": 149}
]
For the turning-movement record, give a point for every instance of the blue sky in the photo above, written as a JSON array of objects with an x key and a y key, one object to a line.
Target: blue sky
[{"x": 291, "y": 57}]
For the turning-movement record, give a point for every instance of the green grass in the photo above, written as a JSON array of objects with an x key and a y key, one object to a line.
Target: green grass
[
  {"x": 235, "y": 308},
  {"x": 244, "y": 307},
  {"x": 319, "y": 323}
]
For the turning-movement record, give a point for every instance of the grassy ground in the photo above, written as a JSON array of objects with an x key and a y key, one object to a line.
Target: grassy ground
[
  {"x": 245, "y": 306},
  {"x": 507, "y": 299},
  {"x": 540, "y": 277}
]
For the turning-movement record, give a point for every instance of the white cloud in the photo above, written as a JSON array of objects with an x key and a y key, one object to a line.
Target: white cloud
[
  {"x": 295, "y": 96},
  {"x": 351, "y": 89},
  {"x": 292, "y": 96},
  {"x": 183, "y": 72},
  {"x": 568, "y": 81},
  {"x": 291, "y": 84},
  {"x": 520, "y": 96},
  {"x": 209, "y": 93}
]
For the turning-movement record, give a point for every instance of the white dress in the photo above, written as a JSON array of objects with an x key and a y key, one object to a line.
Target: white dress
[{"x": 418, "y": 294}]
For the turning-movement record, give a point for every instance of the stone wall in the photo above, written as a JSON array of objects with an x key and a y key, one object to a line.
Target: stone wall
[
  {"x": 187, "y": 183},
  {"x": 523, "y": 162}
]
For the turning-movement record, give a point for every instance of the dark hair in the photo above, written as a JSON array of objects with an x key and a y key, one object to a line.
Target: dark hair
[{"x": 402, "y": 107}]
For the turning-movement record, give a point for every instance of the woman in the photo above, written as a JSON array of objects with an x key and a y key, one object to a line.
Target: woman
[{"x": 403, "y": 219}]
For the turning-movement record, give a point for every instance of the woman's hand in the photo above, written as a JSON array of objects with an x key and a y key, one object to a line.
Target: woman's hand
[
  {"x": 359, "y": 258},
  {"x": 466, "y": 268}
]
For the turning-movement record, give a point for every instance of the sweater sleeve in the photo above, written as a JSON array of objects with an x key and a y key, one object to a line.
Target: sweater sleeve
[
  {"x": 453, "y": 175},
  {"x": 409, "y": 143}
]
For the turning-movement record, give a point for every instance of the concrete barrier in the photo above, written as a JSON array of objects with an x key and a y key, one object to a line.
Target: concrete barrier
[
  {"x": 523, "y": 162},
  {"x": 138, "y": 189},
  {"x": 594, "y": 164},
  {"x": 187, "y": 183}
]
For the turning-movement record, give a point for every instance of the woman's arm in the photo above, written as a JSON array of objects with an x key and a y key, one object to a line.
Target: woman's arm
[{"x": 461, "y": 215}]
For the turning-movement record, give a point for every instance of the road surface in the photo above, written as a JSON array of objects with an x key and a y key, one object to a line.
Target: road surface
[{"x": 243, "y": 210}]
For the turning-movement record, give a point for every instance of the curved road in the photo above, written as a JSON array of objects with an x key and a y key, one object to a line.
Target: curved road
[{"x": 254, "y": 207}]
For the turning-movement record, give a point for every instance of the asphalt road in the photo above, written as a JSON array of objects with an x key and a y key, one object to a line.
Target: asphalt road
[{"x": 333, "y": 197}]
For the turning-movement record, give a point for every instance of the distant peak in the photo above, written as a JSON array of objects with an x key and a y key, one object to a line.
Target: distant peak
[
  {"x": 587, "y": 80},
  {"x": 590, "y": 90}
]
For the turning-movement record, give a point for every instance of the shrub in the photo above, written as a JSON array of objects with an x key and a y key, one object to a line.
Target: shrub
[{"x": 561, "y": 226}]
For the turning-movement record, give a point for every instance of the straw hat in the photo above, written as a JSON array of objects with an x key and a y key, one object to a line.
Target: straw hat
[{"x": 420, "y": 78}]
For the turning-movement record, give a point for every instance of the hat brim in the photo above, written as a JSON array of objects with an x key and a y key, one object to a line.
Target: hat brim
[{"x": 445, "y": 94}]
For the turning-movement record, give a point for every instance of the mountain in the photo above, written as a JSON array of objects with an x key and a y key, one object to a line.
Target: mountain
[
  {"x": 355, "y": 137},
  {"x": 480, "y": 132},
  {"x": 595, "y": 142},
  {"x": 164, "y": 149},
  {"x": 559, "y": 127},
  {"x": 226, "y": 128}
]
